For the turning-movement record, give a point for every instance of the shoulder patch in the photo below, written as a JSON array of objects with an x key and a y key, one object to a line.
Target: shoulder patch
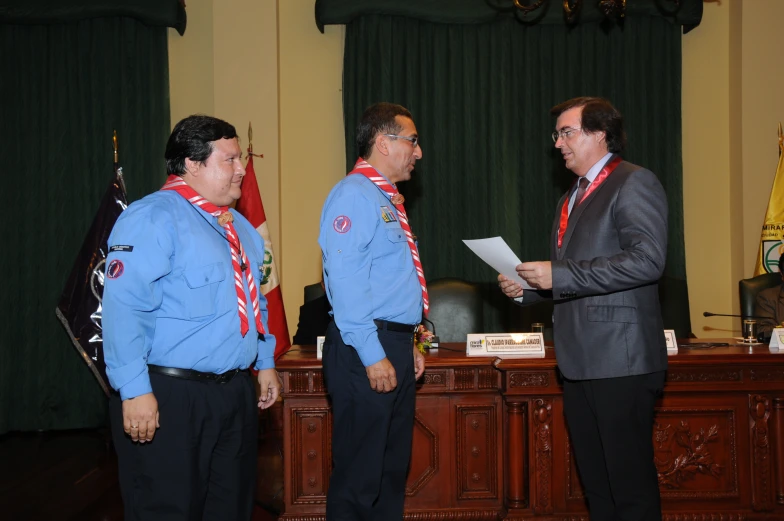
[
  {"x": 115, "y": 269},
  {"x": 121, "y": 247},
  {"x": 387, "y": 215},
  {"x": 341, "y": 224}
]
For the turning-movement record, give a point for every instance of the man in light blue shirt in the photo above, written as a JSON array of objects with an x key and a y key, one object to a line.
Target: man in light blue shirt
[
  {"x": 183, "y": 320},
  {"x": 377, "y": 296}
]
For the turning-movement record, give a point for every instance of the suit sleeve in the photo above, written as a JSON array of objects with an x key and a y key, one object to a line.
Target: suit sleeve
[
  {"x": 640, "y": 218},
  {"x": 349, "y": 223}
]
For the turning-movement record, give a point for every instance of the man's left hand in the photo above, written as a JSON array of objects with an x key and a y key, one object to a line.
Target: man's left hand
[
  {"x": 269, "y": 383},
  {"x": 419, "y": 364},
  {"x": 538, "y": 274}
]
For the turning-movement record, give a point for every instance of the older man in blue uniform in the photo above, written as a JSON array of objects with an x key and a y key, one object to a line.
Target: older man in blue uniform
[
  {"x": 183, "y": 319},
  {"x": 375, "y": 283}
]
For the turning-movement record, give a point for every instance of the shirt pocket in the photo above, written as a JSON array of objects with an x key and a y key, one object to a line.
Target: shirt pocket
[{"x": 203, "y": 292}]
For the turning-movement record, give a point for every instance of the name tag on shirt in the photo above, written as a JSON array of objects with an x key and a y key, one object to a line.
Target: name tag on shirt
[
  {"x": 387, "y": 214},
  {"x": 319, "y": 346}
]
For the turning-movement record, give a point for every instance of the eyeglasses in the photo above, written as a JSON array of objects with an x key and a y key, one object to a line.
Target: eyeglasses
[
  {"x": 414, "y": 140},
  {"x": 565, "y": 133}
]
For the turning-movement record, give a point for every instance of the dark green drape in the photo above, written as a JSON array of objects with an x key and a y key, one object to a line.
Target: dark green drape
[
  {"x": 64, "y": 89},
  {"x": 480, "y": 95}
]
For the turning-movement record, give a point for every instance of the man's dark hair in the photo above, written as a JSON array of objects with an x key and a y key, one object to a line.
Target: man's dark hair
[
  {"x": 192, "y": 139},
  {"x": 378, "y": 119},
  {"x": 598, "y": 116},
  {"x": 781, "y": 265}
]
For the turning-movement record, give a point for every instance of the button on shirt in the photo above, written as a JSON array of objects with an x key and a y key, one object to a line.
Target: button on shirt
[
  {"x": 368, "y": 270},
  {"x": 171, "y": 300}
]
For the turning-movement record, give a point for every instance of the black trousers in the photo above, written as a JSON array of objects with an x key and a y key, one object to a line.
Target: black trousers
[
  {"x": 611, "y": 429},
  {"x": 371, "y": 432},
  {"x": 201, "y": 464}
]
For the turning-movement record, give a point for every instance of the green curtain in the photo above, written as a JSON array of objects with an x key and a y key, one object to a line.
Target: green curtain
[
  {"x": 480, "y": 95},
  {"x": 65, "y": 88}
]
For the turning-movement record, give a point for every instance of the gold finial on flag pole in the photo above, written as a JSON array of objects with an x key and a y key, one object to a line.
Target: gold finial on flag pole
[
  {"x": 114, "y": 143},
  {"x": 250, "y": 142}
]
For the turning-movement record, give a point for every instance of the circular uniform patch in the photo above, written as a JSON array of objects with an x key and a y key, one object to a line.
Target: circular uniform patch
[
  {"x": 115, "y": 269},
  {"x": 341, "y": 224}
]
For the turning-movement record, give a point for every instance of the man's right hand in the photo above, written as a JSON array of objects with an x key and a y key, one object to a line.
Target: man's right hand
[
  {"x": 140, "y": 417},
  {"x": 510, "y": 288},
  {"x": 382, "y": 376}
]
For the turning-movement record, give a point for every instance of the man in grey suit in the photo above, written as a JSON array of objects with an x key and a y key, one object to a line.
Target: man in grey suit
[{"x": 609, "y": 244}]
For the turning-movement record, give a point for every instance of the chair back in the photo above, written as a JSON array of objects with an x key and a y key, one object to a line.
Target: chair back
[
  {"x": 455, "y": 308},
  {"x": 748, "y": 289},
  {"x": 313, "y": 291}
]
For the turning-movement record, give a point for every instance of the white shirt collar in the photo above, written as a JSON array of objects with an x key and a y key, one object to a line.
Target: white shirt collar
[{"x": 597, "y": 167}]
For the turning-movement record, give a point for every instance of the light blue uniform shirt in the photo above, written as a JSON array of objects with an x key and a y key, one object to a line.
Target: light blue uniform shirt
[
  {"x": 173, "y": 301},
  {"x": 368, "y": 270}
]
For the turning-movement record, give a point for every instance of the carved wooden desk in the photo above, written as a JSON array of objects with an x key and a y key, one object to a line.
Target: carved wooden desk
[{"x": 490, "y": 440}]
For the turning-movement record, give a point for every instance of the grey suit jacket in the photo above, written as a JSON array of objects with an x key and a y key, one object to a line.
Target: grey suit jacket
[{"x": 606, "y": 318}]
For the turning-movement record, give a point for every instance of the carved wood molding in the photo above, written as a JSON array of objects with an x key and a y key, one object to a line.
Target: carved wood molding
[
  {"x": 435, "y": 378},
  {"x": 464, "y": 379},
  {"x": 516, "y": 490},
  {"x": 487, "y": 378},
  {"x": 695, "y": 456},
  {"x": 528, "y": 379},
  {"x": 306, "y": 382},
  {"x": 669, "y": 516},
  {"x": 778, "y": 409},
  {"x": 477, "y": 453},
  {"x": 766, "y": 375},
  {"x": 432, "y": 467},
  {"x": 443, "y": 515},
  {"x": 543, "y": 455},
  {"x": 759, "y": 410},
  {"x": 311, "y": 455},
  {"x": 704, "y": 375}
]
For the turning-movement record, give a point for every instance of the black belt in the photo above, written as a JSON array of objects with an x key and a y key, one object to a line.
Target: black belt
[
  {"x": 396, "y": 327},
  {"x": 190, "y": 374}
]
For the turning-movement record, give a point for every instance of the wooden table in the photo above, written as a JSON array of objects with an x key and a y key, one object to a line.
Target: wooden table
[{"x": 490, "y": 440}]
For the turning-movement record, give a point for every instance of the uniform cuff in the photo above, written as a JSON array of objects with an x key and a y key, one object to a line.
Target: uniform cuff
[
  {"x": 265, "y": 363},
  {"x": 136, "y": 387},
  {"x": 372, "y": 354}
]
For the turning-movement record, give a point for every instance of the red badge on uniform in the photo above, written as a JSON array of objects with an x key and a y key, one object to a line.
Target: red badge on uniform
[
  {"x": 341, "y": 224},
  {"x": 115, "y": 269}
]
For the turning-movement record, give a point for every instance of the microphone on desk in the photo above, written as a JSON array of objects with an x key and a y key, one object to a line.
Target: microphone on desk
[
  {"x": 760, "y": 336},
  {"x": 709, "y": 314},
  {"x": 434, "y": 340}
]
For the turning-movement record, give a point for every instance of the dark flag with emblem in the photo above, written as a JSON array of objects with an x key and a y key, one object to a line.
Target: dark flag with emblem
[{"x": 80, "y": 304}]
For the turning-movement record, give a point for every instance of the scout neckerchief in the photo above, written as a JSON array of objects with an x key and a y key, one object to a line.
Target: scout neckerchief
[
  {"x": 238, "y": 258},
  {"x": 606, "y": 171},
  {"x": 363, "y": 167}
]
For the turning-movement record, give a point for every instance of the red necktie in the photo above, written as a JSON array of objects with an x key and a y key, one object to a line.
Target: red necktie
[
  {"x": 364, "y": 168},
  {"x": 238, "y": 258}
]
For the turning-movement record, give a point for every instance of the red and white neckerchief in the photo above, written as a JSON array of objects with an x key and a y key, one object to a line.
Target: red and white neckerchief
[
  {"x": 606, "y": 171},
  {"x": 364, "y": 168},
  {"x": 238, "y": 257}
]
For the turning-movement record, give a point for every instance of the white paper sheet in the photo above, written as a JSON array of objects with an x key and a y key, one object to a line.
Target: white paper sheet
[{"x": 495, "y": 252}]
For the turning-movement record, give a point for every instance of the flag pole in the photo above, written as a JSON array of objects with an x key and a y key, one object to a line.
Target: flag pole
[{"x": 250, "y": 142}]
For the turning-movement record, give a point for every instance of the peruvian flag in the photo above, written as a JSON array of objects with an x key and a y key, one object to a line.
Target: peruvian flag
[{"x": 251, "y": 207}]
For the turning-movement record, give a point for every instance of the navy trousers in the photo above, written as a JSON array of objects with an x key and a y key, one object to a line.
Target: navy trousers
[{"x": 371, "y": 432}]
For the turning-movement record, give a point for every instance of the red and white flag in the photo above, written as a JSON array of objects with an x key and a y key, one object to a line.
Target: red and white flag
[{"x": 251, "y": 207}]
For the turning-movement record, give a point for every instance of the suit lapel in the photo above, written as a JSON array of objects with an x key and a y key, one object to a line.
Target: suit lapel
[{"x": 577, "y": 212}]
